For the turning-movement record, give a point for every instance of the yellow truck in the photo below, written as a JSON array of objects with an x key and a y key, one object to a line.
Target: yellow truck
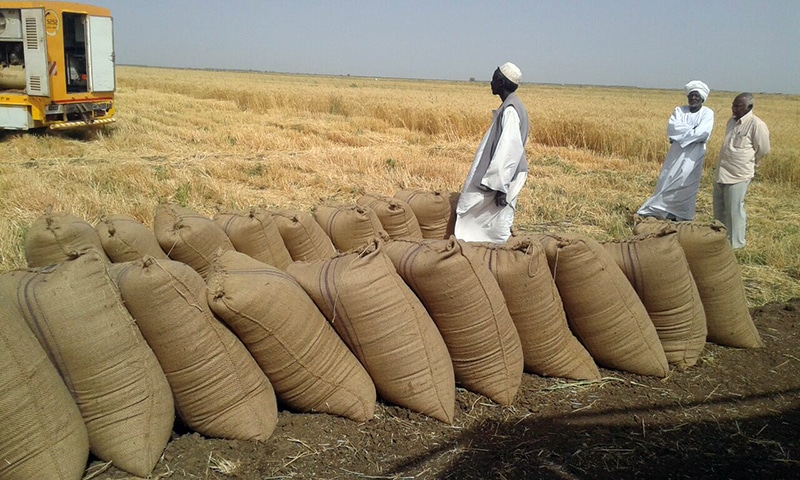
[{"x": 56, "y": 65}]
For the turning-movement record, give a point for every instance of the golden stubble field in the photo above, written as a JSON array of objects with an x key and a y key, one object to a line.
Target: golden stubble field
[{"x": 218, "y": 140}]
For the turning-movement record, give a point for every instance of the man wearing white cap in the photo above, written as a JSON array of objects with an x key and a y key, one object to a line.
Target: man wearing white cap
[
  {"x": 688, "y": 130},
  {"x": 485, "y": 210}
]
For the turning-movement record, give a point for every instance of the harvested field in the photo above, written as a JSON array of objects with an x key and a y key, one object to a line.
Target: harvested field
[{"x": 215, "y": 141}]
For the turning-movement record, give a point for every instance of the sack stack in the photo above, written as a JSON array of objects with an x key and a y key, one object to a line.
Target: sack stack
[
  {"x": 719, "y": 281},
  {"x": 328, "y": 312}
]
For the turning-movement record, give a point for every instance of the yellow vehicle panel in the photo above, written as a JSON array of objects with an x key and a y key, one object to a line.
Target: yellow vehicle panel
[{"x": 57, "y": 58}]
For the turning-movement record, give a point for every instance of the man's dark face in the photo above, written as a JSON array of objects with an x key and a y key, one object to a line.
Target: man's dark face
[
  {"x": 739, "y": 108},
  {"x": 497, "y": 82},
  {"x": 695, "y": 101}
]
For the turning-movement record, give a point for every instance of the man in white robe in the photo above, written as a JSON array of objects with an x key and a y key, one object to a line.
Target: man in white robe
[
  {"x": 688, "y": 131},
  {"x": 485, "y": 210}
]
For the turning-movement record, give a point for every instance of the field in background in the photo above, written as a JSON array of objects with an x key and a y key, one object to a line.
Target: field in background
[{"x": 220, "y": 140}]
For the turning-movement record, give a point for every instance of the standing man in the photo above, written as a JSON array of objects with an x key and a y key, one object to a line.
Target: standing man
[
  {"x": 746, "y": 142},
  {"x": 688, "y": 130},
  {"x": 485, "y": 209}
]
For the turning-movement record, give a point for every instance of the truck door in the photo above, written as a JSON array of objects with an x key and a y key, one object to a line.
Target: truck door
[
  {"x": 34, "y": 40},
  {"x": 101, "y": 54}
]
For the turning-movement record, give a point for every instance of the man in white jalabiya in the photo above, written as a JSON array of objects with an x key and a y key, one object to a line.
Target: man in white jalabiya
[
  {"x": 688, "y": 131},
  {"x": 485, "y": 210}
]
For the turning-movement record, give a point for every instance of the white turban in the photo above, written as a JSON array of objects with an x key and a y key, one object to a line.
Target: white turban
[
  {"x": 697, "y": 86},
  {"x": 511, "y": 72}
]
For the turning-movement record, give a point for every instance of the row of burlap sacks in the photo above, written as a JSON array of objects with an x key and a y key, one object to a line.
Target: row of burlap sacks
[
  {"x": 324, "y": 312},
  {"x": 115, "y": 350}
]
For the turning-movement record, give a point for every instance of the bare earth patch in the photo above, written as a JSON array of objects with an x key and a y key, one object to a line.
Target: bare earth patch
[{"x": 734, "y": 415}]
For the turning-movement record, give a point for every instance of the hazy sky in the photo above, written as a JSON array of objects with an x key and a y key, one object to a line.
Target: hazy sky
[{"x": 732, "y": 45}]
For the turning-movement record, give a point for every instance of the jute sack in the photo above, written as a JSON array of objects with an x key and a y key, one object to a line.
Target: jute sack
[
  {"x": 396, "y": 216},
  {"x": 76, "y": 312},
  {"x": 188, "y": 237},
  {"x": 310, "y": 367},
  {"x": 549, "y": 242},
  {"x": 719, "y": 281},
  {"x": 349, "y": 226},
  {"x": 385, "y": 326},
  {"x": 254, "y": 232},
  {"x": 57, "y": 236},
  {"x": 604, "y": 311},
  {"x": 548, "y": 346},
  {"x": 125, "y": 239},
  {"x": 302, "y": 235},
  {"x": 218, "y": 387},
  {"x": 435, "y": 211},
  {"x": 469, "y": 309},
  {"x": 656, "y": 267},
  {"x": 42, "y": 435}
]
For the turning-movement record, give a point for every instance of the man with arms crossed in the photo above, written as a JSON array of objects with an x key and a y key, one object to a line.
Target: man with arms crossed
[
  {"x": 746, "y": 142},
  {"x": 688, "y": 130}
]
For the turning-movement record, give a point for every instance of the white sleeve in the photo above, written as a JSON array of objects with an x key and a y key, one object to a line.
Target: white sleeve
[
  {"x": 507, "y": 155},
  {"x": 680, "y": 131}
]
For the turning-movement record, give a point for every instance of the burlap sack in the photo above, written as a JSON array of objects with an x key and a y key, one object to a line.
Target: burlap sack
[
  {"x": 385, "y": 326},
  {"x": 125, "y": 239},
  {"x": 188, "y": 237},
  {"x": 42, "y": 435},
  {"x": 254, "y": 232},
  {"x": 719, "y": 281},
  {"x": 76, "y": 312},
  {"x": 604, "y": 311},
  {"x": 435, "y": 211},
  {"x": 349, "y": 226},
  {"x": 302, "y": 235},
  {"x": 396, "y": 216},
  {"x": 659, "y": 273},
  {"x": 310, "y": 367},
  {"x": 57, "y": 236},
  {"x": 549, "y": 242},
  {"x": 219, "y": 389},
  {"x": 468, "y": 307},
  {"x": 548, "y": 346}
]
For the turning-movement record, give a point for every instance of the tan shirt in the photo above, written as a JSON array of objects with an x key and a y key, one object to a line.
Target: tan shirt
[{"x": 746, "y": 142}]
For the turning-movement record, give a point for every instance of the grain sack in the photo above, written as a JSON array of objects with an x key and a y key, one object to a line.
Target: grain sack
[
  {"x": 189, "y": 237},
  {"x": 255, "y": 233},
  {"x": 56, "y": 236},
  {"x": 656, "y": 267},
  {"x": 349, "y": 226},
  {"x": 395, "y": 215},
  {"x": 42, "y": 435},
  {"x": 310, "y": 367},
  {"x": 435, "y": 211},
  {"x": 604, "y": 311},
  {"x": 125, "y": 239},
  {"x": 302, "y": 235},
  {"x": 468, "y": 307},
  {"x": 548, "y": 346},
  {"x": 385, "y": 326},
  {"x": 219, "y": 389},
  {"x": 76, "y": 312},
  {"x": 719, "y": 281},
  {"x": 549, "y": 242}
]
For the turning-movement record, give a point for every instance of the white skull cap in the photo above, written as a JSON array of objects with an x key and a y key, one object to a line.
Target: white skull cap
[{"x": 511, "y": 72}]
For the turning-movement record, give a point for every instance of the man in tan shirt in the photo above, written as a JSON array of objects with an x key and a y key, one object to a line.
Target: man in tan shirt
[{"x": 745, "y": 144}]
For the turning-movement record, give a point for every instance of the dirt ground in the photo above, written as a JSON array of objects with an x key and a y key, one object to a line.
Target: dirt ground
[{"x": 735, "y": 415}]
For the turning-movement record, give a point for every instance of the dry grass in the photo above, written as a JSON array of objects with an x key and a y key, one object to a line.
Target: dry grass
[{"x": 211, "y": 140}]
